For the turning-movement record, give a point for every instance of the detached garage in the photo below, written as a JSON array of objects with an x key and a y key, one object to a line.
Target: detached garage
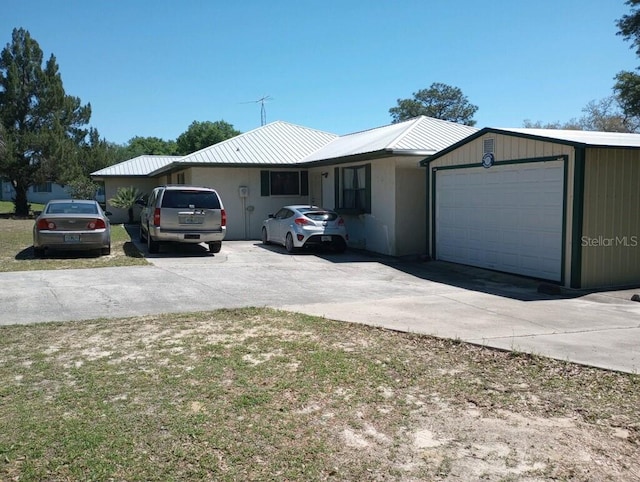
[{"x": 562, "y": 206}]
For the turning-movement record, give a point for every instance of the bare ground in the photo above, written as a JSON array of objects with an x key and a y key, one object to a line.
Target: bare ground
[{"x": 282, "y": 396}]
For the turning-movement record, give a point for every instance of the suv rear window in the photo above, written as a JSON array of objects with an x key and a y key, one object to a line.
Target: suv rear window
[{"x": 187, "y": 198}]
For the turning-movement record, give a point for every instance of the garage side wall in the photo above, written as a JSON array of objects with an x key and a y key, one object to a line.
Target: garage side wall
[
  {"x": 611, "y": 227},
  {"x": 507, "y": 148}
]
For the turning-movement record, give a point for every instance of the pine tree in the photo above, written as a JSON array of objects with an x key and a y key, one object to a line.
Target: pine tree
[{"x": 43, "y": 126}]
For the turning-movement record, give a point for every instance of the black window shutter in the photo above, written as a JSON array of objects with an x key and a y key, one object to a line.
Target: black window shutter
[
  {"x": 264, "y": 183},
  {"x": 304, "y": 183}
]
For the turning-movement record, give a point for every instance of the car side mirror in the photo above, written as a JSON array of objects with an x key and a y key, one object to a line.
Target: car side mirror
[
  {"x": 271, "y": 216},
  {"x": 108, "y": 213},
  {"x": 140, "y": 202}
]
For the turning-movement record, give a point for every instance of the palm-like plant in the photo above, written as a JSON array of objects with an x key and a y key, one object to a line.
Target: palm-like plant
[{"x": 126, "y": 198}]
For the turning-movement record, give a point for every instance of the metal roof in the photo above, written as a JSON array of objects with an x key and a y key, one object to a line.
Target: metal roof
[
  {"x": 281, "y": 143},
  {"x": 420, "y": 136},
  {"x": 275, "y": 143},
  {"x": 589, "y": 138},
  {"x": 138, "y": 166}
]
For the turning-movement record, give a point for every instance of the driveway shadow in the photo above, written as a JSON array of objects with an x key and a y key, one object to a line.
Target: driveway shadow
[
  {"x": 467, "y": 277},
  {"x": 166, "y": 248}
]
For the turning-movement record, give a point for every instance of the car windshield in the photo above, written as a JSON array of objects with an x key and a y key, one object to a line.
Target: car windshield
[
  {"x": 320, "y": 215},
  {"x": 72, "y": 208},
  {"x": 187, "y": 198}
]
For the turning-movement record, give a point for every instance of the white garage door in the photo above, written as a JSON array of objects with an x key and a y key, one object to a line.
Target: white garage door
[{"x": 507, "y": 218}]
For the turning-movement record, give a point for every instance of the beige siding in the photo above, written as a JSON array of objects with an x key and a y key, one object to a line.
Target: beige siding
[
  {"x": 507, "y": 148},
  {"x": 611, "y": 225},
  {"x": 513, "y": 148}
]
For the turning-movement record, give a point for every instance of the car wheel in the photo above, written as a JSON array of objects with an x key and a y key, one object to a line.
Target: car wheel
[
  {"x": 106, "y": 251},
  {"x": 141, "y": 235},
  {"x": 152, "y": 246},
  {"x": 265, "y": 238},
  {"x": 38, "y": 252},
  {"x": 288, "y": 243},
  {"x": 215, "y": 246}
]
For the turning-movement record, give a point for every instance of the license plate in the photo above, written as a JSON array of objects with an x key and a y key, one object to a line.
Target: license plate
[
  {"x": 191, "y": 220},
  {"x": 71, "y": 238},
  {"x": 325, "y": 238}
]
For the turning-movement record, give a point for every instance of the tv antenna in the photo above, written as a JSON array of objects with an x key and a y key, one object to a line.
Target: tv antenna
[{"x": 263, "y": 111}]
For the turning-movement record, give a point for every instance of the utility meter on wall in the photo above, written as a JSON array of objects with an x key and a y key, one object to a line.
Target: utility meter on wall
[{"x": 243, "y": 191}]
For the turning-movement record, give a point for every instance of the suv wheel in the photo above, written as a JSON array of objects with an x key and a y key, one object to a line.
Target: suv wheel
[
  {"x": 215, "y": 247},
  {"x": 141, "y": 235},
  {"x": 152, "y": 246}
]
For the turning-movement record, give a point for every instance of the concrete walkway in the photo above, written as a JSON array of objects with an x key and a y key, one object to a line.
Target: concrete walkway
[{"x": 433, "y": 298}]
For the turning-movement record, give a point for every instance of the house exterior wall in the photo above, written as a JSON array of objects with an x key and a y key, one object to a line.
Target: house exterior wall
[
  {"x": 7, "y": 193},
  {"x": 374, "y": 231},
  {"x": 411, "y": 211},
  {"x": 244, "y": 215},
  {"x": 611, "y": 223},
  {"x": 512, "y": 148},
  {"x": 111, "y": 186}
]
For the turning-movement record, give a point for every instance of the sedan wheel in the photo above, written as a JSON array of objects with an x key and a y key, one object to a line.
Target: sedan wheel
[
  {"x": 288, "y": 244},
  {"x": 265, "y": 238},
  {"x": 38, "y": 252}
]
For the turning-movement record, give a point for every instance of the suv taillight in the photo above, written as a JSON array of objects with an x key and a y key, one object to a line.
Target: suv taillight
[
  {"x": 156, "y": 217},
  {"x": 223, "y": 216}
]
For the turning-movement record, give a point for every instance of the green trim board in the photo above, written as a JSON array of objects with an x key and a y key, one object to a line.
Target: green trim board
[
  {"x": 432, "y": 226},
  {"x": 559, "y": 157},
  {"x": 578, "y": 218}
]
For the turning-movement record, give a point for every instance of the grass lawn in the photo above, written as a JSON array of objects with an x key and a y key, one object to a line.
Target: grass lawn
[
  {"x": 16, "y": 251},
  {"x": 257, "y": 394}
]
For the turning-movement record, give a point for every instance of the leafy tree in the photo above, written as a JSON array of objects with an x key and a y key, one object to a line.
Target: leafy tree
[
  {"x": 441, "y": 101},
  {"x": 627, "y": 86},
  {"x": 604, "y": 115},
  {"x": 152, "y": 146},
  {"x": 126, "y": 198},
  {"x": 43, "y": 125},
  {"x": 204, "y": 134},
  {"x": 83, "y": 188}
]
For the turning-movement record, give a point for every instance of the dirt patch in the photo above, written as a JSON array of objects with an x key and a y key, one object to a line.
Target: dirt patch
[{"x": 259, "y": 394}]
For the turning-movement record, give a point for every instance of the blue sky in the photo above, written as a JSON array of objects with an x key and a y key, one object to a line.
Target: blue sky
[{"x": 151, "y": 68}]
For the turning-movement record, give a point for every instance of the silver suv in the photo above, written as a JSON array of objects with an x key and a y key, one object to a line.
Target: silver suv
[{"x": 183, "y": 214}]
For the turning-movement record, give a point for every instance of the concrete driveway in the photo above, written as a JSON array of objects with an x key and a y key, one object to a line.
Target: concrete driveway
[{"x": 433, "y": 298}]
